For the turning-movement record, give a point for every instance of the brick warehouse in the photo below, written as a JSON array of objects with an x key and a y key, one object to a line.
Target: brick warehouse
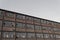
[{"x": 17, "y": 26}]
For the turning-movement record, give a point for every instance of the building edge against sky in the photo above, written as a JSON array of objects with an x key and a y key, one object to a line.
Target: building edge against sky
[{"x": 18, "y": 26}]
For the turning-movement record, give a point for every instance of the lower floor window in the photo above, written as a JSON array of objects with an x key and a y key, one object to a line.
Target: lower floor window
[
  {"x": 30, "y": 35},
  {"x": 39, "y": 35},
  {"x": 8, "y": 35},
  {"x": 46, "y": 35},
  {"x": 21, "y": 35}
]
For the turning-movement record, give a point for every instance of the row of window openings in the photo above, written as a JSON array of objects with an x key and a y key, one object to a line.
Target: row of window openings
[
  {"x": 7, "y": 14},
  {"x": 20, "y": 25},
  {"x": 28, "y": 26},
  {"x": 20, "y": 17},
  {"x": 29, "y": 35},
  {"x": 23, "y": 17}
]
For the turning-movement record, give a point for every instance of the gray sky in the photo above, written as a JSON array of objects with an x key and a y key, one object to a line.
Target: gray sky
[{"x": 47, "y": 9}]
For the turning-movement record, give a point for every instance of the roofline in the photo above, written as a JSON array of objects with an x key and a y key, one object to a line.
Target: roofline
[{"x": 28, "y": 15}]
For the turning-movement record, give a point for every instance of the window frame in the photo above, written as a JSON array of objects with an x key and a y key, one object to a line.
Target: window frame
[
  {"x": 0, "y": 23},
  {"x": 20, "y": 17},
  {"x": 1, "y": 14},
  {"x": 46, "y": 36},
  {"x": 40, "y": 35},
  {"x": 50, "y": 28},
  {"x": 29, "y": 18},
  {"x": 11, "y": 24},
  {"x": 20, "y": 25},
  {"x": 56, "y": 29},
  {"x": 44, "y": 28},
  {"x": 32, "y": 35},
  {"x": 49, "y": 23},
  {"x": 37, "y": 20},
  {"x": 8, "y": 34},
  {"x": 30, "y": 26},
  {"x": 9, "y": 14},
  {"x": 43, "y": 21},
  {"x": 20, "y": 35},
  {"x": 37, "y": 27}
]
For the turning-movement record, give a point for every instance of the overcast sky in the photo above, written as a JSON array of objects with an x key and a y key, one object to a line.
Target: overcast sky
[{"x": 47, "y": 9}]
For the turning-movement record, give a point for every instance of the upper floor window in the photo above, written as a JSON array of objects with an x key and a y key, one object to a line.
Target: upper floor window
[
  {"x": 37, "y": 27},
  {"x": 36, "y": 20},
  {"x": 30, "y": 26},
  {"x": 50, "y": 28},
  {"x": 8, "y": 14},
  {"x": 49, "y": 22},
  {"x": 21, "y": 35},
  {"x": 20, "y": 16},
  {"x": 39, "y": 35},
  {"x": 56, "y": 29},
  {"x": 52, "y": 23},
  {"x": 0, "y": 23},
  {"x": 8, "y": 34},
  {"x": 1, "y": 14},
  {"x": 9, "y": 24},
  {"x": 43, "y": 21},
  {"x": 46, "y": 35},
  {"x": 44, "y": 28},
  {"x": 57, "y": 36},
  {"x": 20, "y": 25},
  {"x": 29, "y": 18},
  {"x": 30, "y": 35}
]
